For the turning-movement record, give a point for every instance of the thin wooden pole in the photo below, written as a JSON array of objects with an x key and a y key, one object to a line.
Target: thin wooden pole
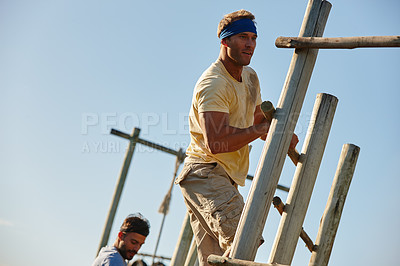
[
  {"x": 304, "y": 179},
  {"x": 183, "y": 244},
  {"x": 151, "y": 255},
  {"x": 334, "y": 207},
  {"x": 276, "y": 146},
  {"x": 219, "y": 260},
  {"x": 158, "y": 238},
  {"x": 179, "y": 154},
  {"x": 338, "y": 43},
  {"x": 119, "y": 187},
  {"x": 191, "y": 259},
  {"x": 280, "y": 187},
  {"x": 164, "y": 208}
]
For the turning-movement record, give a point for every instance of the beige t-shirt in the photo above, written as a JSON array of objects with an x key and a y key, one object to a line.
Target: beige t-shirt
[{"x": 217, "y": 90}]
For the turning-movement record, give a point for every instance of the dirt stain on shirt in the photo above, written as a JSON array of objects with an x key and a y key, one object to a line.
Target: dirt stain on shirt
[{"x": 253, "y": 85}]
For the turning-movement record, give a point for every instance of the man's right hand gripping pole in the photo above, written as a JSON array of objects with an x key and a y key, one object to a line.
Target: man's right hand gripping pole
[{"x": 268, "y": 110}]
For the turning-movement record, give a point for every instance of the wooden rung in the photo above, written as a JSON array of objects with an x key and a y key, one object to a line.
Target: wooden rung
[
  {"x": 219, "y": 260},
  {"x": 337, "y": 43},
  {"x": 280, "y": 187},
  {"x": 278, "y": 204}
]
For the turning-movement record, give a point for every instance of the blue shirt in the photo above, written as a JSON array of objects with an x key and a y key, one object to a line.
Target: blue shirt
[{"x": 109, "y": 256}]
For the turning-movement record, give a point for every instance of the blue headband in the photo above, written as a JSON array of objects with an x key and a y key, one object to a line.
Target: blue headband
[{"x": 238, "y": 26}]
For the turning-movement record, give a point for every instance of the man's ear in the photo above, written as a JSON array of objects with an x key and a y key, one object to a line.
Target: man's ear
[
  {"x": 120, "y": 235},
  {"x": 223, "y": 42}
]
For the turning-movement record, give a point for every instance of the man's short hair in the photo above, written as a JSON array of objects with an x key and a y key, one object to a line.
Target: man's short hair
[
  {"x": 231, "y": 17},
  {"x": 136, "y": 223}
]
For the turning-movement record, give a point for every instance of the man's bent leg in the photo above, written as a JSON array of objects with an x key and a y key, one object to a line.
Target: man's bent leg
[
  {"x": 206, "y": 243},
  {"x": 216, "y": 205}
]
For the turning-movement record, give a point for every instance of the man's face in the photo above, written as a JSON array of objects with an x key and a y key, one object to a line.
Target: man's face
[
  {"x": 241, "y": 47},
  {"x": 130, "y": 244}
]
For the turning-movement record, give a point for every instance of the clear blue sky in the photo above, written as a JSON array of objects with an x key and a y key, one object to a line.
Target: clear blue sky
[{"x": 71, "y": 70}]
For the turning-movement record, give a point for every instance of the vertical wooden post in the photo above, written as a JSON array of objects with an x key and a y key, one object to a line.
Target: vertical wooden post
[
  {"x": 191, "y": 259},
  {"x": 276, "y": 146},
  {"x": 304, "y": 180},
  {"x": 119, "y": 187},
  {"x": 334, "y": 207},
  {"x": 183, "y": 244}
]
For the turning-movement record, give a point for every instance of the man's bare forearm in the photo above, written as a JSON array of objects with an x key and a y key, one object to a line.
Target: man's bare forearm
[{"x": 231, "y": 139}]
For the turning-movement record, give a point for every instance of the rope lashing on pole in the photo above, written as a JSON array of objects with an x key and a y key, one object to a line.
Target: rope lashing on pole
[{"x": 164, "y": 207}]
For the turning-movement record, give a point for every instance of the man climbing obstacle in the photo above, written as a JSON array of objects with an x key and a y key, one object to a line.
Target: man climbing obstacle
[{"x": 225, "y": 116}]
